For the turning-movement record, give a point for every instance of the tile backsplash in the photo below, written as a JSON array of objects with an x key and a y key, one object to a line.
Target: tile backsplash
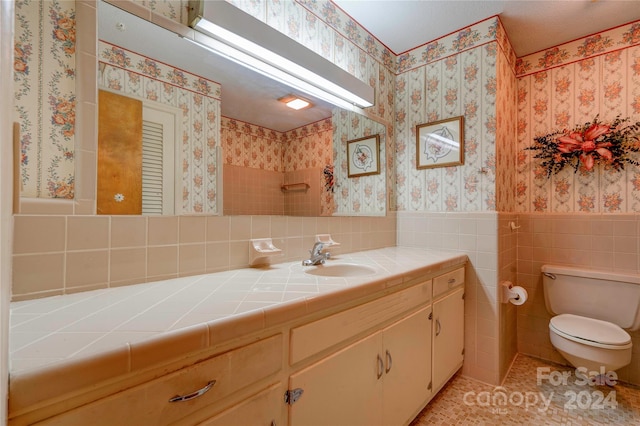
[{"x": 65, "y": 254}]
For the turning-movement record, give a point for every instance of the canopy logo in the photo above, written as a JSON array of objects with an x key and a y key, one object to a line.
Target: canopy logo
[
  {"x": 580, "y": 394},
  {"x": 499, "y": 399}
]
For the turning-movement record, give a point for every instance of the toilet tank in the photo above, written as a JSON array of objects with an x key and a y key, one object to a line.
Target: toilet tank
[{"x": 603, "y": 295}]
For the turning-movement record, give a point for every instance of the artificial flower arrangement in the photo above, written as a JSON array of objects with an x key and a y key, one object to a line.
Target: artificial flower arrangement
[{"x": 589, "y": 144}]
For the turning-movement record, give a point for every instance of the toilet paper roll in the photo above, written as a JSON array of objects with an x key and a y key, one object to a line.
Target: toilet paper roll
[{"x": 518, "y": 295}]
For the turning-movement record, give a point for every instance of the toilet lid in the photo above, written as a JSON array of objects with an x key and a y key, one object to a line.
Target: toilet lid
[{"x": 589, "y": 329}]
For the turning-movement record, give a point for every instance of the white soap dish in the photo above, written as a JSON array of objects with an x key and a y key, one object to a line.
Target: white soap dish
[
  {"x": 327, "y": 241},
  {"x": 260, "y": 250}
]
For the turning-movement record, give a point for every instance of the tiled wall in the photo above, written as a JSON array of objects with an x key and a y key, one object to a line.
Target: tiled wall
[
  {"x": 303, "y": 200},
  {"x": 65, "y": 254},
  {"x": 606, "y": 242},
  {"x": 474, "y": 234},
  {"x": 507, "y": 268},
  {"x": 252, "y": 191}
]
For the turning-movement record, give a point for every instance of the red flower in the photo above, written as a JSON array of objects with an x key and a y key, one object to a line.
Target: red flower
[{"x": 586, "y": 142}]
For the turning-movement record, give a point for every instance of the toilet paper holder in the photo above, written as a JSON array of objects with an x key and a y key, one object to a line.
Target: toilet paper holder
[{"x": 515, "y": 295}]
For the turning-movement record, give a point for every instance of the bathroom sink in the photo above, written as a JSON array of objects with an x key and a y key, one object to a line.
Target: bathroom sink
[{"x": 341, "y": 270}]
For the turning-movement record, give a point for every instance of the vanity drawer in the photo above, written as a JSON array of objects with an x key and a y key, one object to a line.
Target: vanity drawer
[
  {"x": 312, "y": 338},
  {"x": 445, "y": 282},
  {"x": 148, "y": 403}
]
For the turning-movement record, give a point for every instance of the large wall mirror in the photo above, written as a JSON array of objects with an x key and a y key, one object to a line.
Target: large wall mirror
[{"x": 217, "y": 138}]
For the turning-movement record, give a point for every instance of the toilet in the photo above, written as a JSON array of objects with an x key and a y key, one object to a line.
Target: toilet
[{"x": 592, "y": 312}]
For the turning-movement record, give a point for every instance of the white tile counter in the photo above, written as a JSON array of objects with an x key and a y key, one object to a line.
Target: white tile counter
[{"x": 62, "y": 343}]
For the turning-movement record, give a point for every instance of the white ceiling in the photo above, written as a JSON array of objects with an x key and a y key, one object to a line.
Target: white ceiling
[{"x": 531, "y": 25}]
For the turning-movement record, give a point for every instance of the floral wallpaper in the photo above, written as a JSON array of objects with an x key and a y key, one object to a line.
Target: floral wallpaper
[
  {"x": 568, "y": 85},
  {"x": 457, "y": 75},
  {"x": 248, "y": 145},
  {"x": 506, "y": 149},
  {"x": 309, "y": 146},
  {"x": 45, "y": 99},
  {"x": 176, "y": 10},
  {"x": 198, "y": 99},
  {"x": 365, "y": 194}
]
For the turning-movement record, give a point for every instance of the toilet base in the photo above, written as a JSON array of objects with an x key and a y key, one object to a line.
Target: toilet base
[{"x": 594, "y": 360}]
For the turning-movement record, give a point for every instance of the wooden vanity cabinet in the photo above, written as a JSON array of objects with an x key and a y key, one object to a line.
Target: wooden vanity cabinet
[
  {"x": 149, "y": 403},
  {"x": 448, "y": 326},
  {"x": 374, "y": 363},
  {"x": 390, "y": 374},
  {"x": 380, "y": 379}
]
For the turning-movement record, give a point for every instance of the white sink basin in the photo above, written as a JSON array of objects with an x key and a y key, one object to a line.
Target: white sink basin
[{"x": 341, "y": 270}]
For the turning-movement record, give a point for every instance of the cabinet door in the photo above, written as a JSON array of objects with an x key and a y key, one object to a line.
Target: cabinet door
[
  {"x": 262, "y": 409},
  {"x": 342, "y": 389},
  {"x": 407, "y": 359},
  {"x": 448, "y": 338}
]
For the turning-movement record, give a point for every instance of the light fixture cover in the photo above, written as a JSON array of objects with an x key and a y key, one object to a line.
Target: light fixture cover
[{"x": 295, "y": 102}]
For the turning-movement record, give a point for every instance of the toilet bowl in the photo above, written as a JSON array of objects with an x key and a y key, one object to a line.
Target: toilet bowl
[
  {"x": 591, "y": 314},
  {"x": 598, "y": 346}
]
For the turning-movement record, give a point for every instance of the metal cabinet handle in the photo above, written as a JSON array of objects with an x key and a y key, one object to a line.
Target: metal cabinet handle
[
  {"x": 389, "y": 362},
  {"x": 193, "y": 395},
  {"x": 438, "y": 327},
  {"x": 380, "y": 367},
  {"x": 451, "y": 281}
]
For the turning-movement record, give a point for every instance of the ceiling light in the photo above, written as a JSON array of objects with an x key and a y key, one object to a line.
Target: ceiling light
[
  {"x": 228, "y": 31},
  {"x": 295, "y": 102}
]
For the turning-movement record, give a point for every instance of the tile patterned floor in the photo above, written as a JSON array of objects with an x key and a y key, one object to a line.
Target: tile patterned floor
[{"x": 522, "y": 401}]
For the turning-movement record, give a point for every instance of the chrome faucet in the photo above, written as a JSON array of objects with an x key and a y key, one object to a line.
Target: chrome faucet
[{"x": 317, "y": 257}]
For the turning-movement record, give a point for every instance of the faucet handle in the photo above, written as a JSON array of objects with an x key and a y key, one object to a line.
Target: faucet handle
[{"x": 317, "y": 248}]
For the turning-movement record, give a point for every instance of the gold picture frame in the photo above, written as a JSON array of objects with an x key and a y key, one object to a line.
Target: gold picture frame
[
  {"x": 440, "y": 143},
  {"x": 363, "y": 156}
]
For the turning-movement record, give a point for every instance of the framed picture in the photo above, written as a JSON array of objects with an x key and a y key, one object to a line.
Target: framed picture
[
  {"x": 363, "y": 156},
  {"x": 440, "y": 143}
]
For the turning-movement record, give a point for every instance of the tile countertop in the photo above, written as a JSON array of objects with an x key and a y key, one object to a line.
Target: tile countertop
[{"x": 99, "y": 334}]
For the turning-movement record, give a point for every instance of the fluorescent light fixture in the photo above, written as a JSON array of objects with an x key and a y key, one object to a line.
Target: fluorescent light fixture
[
  {"x": 295, "y": 102},
  {"x": 228, "y": 31}
]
